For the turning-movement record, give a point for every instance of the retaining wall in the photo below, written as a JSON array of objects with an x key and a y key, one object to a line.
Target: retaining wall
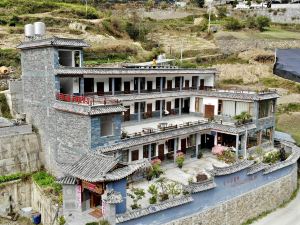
[{"x": 241, "y": 191}]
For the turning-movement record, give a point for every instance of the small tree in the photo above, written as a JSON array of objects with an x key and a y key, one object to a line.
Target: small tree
[
  {"x": 232, "y": 23},
  {"x": 262, "y": 22},
  {"x": 153, "y": 190},
  {"x": 136, "y": 195},
  {"x": 180, "y": 159},
  {"x": 173, "y": 189}
]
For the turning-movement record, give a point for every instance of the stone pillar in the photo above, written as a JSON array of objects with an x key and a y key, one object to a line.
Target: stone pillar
[
  {"x": 175, "y": 149},
  {"x": 139, "y": 111},
  {"x": 198, "y": 83},
  {"x": 237, "y": 145},
  {"x": 109, "y": 200},
  {"x": 139, "y": 85},
  {"x": 160, "y": 109},
  {"x": 180, "y": 106},
  {"x": 113, "y": 86},
  {"x": 216, "y": 139},
  {"x": 180, "y": 85},
  {"x": 198, "y": 142},
  {"x": 161, "y": 84},
  {"x": 81, "y": 86},
  {"x": 149, "y": 151}
]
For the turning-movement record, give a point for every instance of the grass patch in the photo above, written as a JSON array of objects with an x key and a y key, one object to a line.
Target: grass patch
[
  {"x": 274, "y": 82},
  {"x": 282, "y": 205},
  {"x": 4, "y": 108},
  {"x": 289, "y": 123},
  {"x": 12, "y": 177},
  {"x": 221, "y": 59},
  {"x": 287, "y": 108},
  {"x": 232, "y": 81},
  {"x": 9, "y": 57},
  {"x": 49, "y": 185}
]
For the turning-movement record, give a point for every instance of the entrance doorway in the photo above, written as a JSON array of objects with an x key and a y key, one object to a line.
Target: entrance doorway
[
  {"x": 95, "y": 200},
  {"x": 127, "y": 114},
  {"x": 209, "y": 111},
  {"x": 207, "y": 141},
  {"x": 127, "y": 87},
  {"x": 88, "y": 85},
  {"x": 183, "y": 145},
  {"x": 161, "y": 152},
  {"x": 135, "y": 155},
  {"x": 100, "y": 88},
  {"x": 149, "y": 110},
  {"x": 186, "y": 84},
  {"x": 169, "y": 107},
  {"x": 169, "y": 85},
  {"x": 202, "y": 84}
]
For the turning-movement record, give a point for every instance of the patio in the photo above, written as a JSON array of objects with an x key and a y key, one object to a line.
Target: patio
[{"x": 191, "y": 167}]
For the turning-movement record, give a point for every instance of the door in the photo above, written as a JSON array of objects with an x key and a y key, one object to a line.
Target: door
[
  {"x": 202, "y": 84},
  {"x": 149, "y": 110},
  {"x": 127, "y": 114},
  {"x": 95, "y": 200},
  {"x": 209, "y": 111},
  {"x": 194, "y": 82},
  {"x": 88, "y": 85},
  {"x": 134, "y": 155},
  {"x": 149, "y": 86},
  {"x": 197, "y": 105},
  {"x": 161, "y": 152},
  {"x": 127, "y": 87},
  {"x": 183, "y": 145},
  {"x": 100, "y": 88},
  {"x": 169, "y": 85},
  {"x": 169, "y": 107},
  {"x": 186, "y": 84}
]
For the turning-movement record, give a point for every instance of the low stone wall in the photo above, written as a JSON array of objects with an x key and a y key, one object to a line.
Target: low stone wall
[
  {"x": 18, "y": 191},
  {"x": 44, "y": 204},
  {"x": 13, "y": 130},
  {"x": 240, "y": 209},
  {"x": 19, "y": 153}
]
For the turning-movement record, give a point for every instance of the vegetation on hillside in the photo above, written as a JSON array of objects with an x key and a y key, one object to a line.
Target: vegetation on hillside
[{"x": 4, "y": 108}]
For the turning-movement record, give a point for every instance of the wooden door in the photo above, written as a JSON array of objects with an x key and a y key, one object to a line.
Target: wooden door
[
  {"x": 95, "y": 200},
  {"x": 169, "y": 107},
  {"x": 149, "y": 110},
  {"x": 186, "y": 84},
  {"x": 100, "y": 88},
  {"x": 183, "y": 145},
  {"x": 209, "y": 111},
  {"x": 169, "y": 85},
  {"x": 127, "y": 87},
  {"x": 202, "y": 84},
  {"x": 197, "y": 105},
  {"x": 161, "y": 152},
  {"x": 127, "y": 114},
  {"x": 134, "y": 155}
]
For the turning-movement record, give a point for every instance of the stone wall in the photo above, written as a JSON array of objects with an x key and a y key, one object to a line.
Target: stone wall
[
  {"x": 13, "y": 130},
  {"x": 44, "y": 204},
  {"x": 20, "y": 193},
  {"x": 15, "y": 96},
  {"x": 240, "y": 209},
  {"x": 228, "y": 46},
  {"x": 19, "y": 153}
]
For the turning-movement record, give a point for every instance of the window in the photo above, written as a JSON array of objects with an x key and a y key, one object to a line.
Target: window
[
  {"x": 153, "y": 147},
  {"x": 176, "y": 103},
  {"x": 124, "y": 155},
  {"x": 220, "y": 107},
  {"x": 134, "y": 155},
  {"x": 106, "y": 126},
  {"x": 264, "y": 108},
  {"x": 145, "y": 151},
  {"x": 65, "y": 58}
]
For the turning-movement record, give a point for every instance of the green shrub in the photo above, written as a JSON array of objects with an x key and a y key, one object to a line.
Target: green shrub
[
  {"x": 271, "y": 157},
  {"x": 61, "y": 220},
  {"x": 232, "y": 23},
  {"x": 227, "y": 156},
  {"x": 262, "y": 22},
  {"x": 221, "y": 11},
  {"x": 11, "y": 177},
  {"x": 92, "y": 223},
  {"x": 45, "y": 180},
  {"x": 4, "y": 108}
]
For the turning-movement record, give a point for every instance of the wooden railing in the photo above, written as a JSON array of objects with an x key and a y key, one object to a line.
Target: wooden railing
[{"x": 86, "y": 100}]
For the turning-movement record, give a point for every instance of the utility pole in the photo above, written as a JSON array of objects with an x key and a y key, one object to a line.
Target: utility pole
[{"x": 209, "y": 14}]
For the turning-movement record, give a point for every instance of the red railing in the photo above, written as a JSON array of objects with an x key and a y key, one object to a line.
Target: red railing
[{"x": 86, "y": 100}]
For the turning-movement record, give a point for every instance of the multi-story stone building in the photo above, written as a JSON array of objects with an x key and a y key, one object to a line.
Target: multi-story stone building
[{"x": 134, "y": 112}]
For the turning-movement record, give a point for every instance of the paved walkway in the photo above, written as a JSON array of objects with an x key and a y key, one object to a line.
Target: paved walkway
[{"x": 289, "y": 215}]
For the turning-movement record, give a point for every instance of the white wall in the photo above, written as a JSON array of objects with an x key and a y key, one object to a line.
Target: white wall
[
  {"x": 210, "y": 101},
  {"x": 192, "y": 104},
  {"x": 76, "y": 85},
  {"x": 209, "y": 81}
]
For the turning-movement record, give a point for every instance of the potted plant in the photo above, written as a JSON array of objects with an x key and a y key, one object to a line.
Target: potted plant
[
  {"x": 153, "y": 190},
  {"x": 243, "y": 117},
  {"x": 136, "y": 195},
  {"x": 163, "y": 195},
  {"x": 180, "y": 159}
]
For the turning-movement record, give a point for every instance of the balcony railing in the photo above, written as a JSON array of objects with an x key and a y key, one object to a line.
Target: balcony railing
[{"x": 86, "y": 100}]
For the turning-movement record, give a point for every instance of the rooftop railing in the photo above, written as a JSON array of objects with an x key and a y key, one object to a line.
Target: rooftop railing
[{"x": 86, "y": 100}]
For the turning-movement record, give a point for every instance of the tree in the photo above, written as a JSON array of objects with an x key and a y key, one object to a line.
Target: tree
[
  {"x": 232, "y": 23},
  {"x": 262, "y": 22}
]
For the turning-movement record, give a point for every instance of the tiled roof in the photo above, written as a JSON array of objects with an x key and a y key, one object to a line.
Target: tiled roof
[
  {"x": 129, "y": 71},
  {"x": 240, "y": 165},
  {"x": 94, "y": 167},
  {"x": 154, "y": 137},
  {"x": 257, "y": 167},
  {"x": 67, "y": 180},
  {"x": 53, "y": 42},
  {"x": 202, "y": 186},
  {"x": 245, "y": 96},
  {"x": 87, "y": 109},
  {"x": 153, "y": 208}
]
